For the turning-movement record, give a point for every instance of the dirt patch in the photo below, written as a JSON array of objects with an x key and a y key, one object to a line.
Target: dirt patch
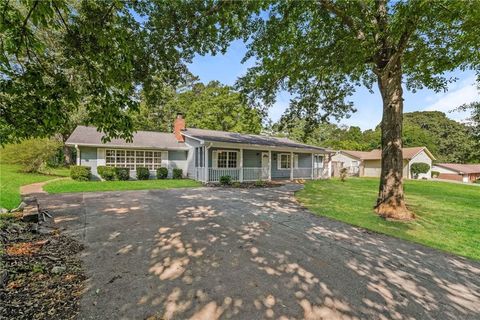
[{"x": 41, "y": 274}]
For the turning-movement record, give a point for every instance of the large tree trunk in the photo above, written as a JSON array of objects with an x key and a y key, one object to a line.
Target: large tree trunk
[{"x": 391, "y": 201}]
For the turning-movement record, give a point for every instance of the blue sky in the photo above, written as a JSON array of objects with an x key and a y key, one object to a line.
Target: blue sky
[{"x": 227, "y": 68}]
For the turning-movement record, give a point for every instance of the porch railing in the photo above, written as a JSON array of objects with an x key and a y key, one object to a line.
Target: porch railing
[
  {"x": 214, "y": 174},
  {"x": 255, "y": 173},
  {"x": 302, "y": 173},
  {"x": 200, "y": 174}
]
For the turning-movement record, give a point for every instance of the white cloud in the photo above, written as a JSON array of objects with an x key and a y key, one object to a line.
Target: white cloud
[{"x": 465, "y": 91}]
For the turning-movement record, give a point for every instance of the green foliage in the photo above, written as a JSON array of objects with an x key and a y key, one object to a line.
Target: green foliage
[
  {"x": 80, "y": 173},
  {"x": 419, "y": 167},
  {"x": 213, "y": 106},
  {"x": 260, "y": 183},
  {"x": 434, "y": 174},
  {"x": 225, "y": 180},
  {"x": 343, "y": 174},
  {"x": 162, "y": 173},
  {"x": 107, "y": 173},
  {"x": 32, "y": 154},
  {"x": 177, "y": 173},
  {"x": 59, "y": 56},
  {"x": 143, "y": 173},
  {"x": 122, "y": 174}
]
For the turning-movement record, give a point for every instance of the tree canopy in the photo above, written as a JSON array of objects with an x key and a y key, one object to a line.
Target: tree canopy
[{"x": 207, "y": 106}]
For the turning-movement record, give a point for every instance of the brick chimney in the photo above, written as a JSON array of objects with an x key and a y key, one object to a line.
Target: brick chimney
[{"x": 178, "y": 126}]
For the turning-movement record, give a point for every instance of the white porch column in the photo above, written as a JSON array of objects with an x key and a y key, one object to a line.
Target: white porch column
[
  {"x": 241, "y": 164},
  {"x": 291, "y": 165},
  {"x": 329, "y": 167},
  {"x": 269, "y": 165},
  {"x": 206, "y": 163},
  {"x": 78, "y": 154},
  {"x": 311, "y": 176}
]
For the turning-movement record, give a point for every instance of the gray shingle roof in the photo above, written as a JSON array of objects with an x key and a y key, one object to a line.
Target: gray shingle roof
[
  {"x": 89, "y": 136},
  {"x": 232, "y": 137}
]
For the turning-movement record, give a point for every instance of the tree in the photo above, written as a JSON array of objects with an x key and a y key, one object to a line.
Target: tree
[
  {"x": 418, "y": 168},
  {"x": 212, "y": 106},
  {"x": 31, "y": 154},
  {"x": 57, "y": 55},
  {"x": 319, "y": 50}
]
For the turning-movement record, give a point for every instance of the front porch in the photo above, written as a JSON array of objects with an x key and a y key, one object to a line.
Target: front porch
[{"x": 258, "y": 164}]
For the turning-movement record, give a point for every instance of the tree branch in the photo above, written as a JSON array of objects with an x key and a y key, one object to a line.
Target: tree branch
[{"x": 346, "y": 19}]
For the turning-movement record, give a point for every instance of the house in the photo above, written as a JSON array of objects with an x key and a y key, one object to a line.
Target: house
[
  {"x": 203, "y": 155},
  {"x": 458, "y": 172},
  {"x": 368, "y": 163}
]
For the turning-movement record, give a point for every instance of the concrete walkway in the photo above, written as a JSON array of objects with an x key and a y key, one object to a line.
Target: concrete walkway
[{"x": 209, "y": 253}]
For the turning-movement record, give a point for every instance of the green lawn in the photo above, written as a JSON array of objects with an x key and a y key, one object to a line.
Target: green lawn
[
  {"x": 448, "y": 214},
  {"x": 11, "y": 179},
  {"x": 69, "y": 185}
]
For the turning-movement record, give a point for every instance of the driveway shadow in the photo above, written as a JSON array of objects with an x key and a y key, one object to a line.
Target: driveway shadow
[{"x": 212, "y": 253}]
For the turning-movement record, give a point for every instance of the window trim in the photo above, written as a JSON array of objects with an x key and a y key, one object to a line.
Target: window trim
[
  {"x": 228, "y": 158},
  {"x": 153, "y": 163},
  {"x": 279, "y": 161}
]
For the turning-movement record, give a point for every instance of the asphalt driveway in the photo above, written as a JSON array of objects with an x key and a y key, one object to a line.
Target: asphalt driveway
[{"x": 211, "y": 253}]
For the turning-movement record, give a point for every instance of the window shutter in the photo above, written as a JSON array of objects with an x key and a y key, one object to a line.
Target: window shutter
[
  {"x": 214, "y": 159},
  {"x": 165, "y": 159}
]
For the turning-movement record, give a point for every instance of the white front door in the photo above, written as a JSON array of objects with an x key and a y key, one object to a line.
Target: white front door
[{"x": 265, "y": 165}]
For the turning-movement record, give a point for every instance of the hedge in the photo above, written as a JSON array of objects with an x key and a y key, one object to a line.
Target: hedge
[
  {"x": 122, "y": 173},
  {"x": 143, "y": 173},
  {"x": 107, "y": 173},
  {"x": 162, "y": 173},
  {"x": 80, "y": 173},
  {"x": 177, "y": 173}
]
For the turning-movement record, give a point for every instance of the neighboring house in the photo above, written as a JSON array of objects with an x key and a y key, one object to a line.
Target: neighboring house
[
  {"x": 458, "y": 172},
  {"x": 368, "y": 163},
  {"x": 204, "y": 155}
]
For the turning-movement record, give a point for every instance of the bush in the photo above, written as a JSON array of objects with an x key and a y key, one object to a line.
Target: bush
[
  {"x": 162, "y": 173},
  {"x": 260, "y": 183},
  {"x": 107, "y": 173},
  {"x": 343, "y": 174},
  {"x": 226, "y": 180},
  {"x": 122, "y": 173},
  {"x": 80, "y": 173},
  {"x": 143, "y": 173},
  {"x": 435, "y": 174},
  {"x": 419, "y": 167},
  {"x": 32, "y": 154},
  {"x": 177, "y": 173}
]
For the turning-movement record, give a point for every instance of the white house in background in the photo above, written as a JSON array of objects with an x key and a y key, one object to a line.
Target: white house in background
[
  {"x": 368, "y": 163},
  {"x": 204, "y": 155},
  {"x": 458, "y": 172}
]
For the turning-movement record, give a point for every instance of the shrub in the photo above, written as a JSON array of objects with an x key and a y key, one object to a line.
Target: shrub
[
  {"x": 260, "y": 183},
  {"x": 143, "y": 173},
  {"x": 162, "y": 173},
  {"x": 419, "y": 167},
  {"x": 435, "y": 174},
  {"x": 80, "y": 173},
  {"x": 32, "y": 154},
  {"x": 225, "y": 180},
  {"x": 122, "y": 173},
  {"x": 237, "y": 184},
  {"x": 107, "y": 173},
  {"x": 177, "y": 173},
  {"x": 343, "y": 174}
]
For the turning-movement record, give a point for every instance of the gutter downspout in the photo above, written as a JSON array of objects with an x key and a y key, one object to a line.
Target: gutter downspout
[{"x": 78, "y": 154}]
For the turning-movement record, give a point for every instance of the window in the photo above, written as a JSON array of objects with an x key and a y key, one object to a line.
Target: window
[
  {"x": 132, "y": 159},
  {"x": 284, "y": 161},
  {"x": 226, "y": 159},
  {"x": 199, "y": 157}
]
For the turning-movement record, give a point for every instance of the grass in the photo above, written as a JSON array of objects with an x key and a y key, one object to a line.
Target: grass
[
  {"x": 448, "y": 214},
  {"x": 69, "y": 185},
  {"x": 11, "y": 179}
]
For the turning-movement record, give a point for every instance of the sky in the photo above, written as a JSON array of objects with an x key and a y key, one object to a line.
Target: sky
[{"x": 228, "y": 67}]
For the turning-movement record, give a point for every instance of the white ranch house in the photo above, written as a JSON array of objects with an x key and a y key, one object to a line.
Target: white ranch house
[{"x": 204, "y": 155}]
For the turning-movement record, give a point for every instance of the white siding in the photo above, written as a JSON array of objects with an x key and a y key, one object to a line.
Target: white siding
[
  {"x": 190, "y": 163},
  {"x": 372, "y": 168},
  {"x": 345, "y": 159},
  {"x": 444, "y": 170}
]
